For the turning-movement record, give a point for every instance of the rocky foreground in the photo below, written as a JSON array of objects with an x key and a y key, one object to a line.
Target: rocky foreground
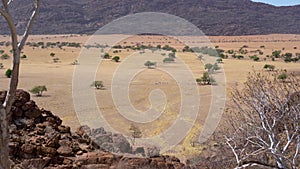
[{"x": 39, "y": 140}]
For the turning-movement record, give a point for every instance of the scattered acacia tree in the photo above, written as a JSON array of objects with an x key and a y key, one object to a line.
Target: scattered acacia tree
[
  {"x": 98, "y": 85},
  {"x": 135, "y": 132},
  {"x": 1, "y": 66},
  {"x": 8, "y": 73},
  {"x": 116, "y": 59},
  {"x": 269, "y": 67},
  {"x": 264, "y": 123},
  {"x": 206, "y": 79},
  {"x": 211, "y": 68},
  {"x": 38, "y": 90},
  {"x": 150, "y": 64},
  {"x": 17, "y": 47}
]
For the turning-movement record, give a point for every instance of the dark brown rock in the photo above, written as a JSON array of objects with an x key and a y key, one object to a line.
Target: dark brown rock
[
  {"x": 22, "y": 96},
  {"x": 64, "y": 129},
  {"x": 49, "y": 151},
  {"x": 33, "y": 113},
  {"x": 65, "y": 151},
  {"x": 17, "y": 112},
  {"x": 28, "y": 105}
]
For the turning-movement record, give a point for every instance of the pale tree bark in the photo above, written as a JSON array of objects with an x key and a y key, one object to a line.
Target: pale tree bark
[
  {"x": 265, "y": 128},
  {"x": 17, "y": 47}
]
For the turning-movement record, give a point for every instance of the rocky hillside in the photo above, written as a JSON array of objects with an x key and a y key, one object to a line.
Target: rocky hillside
[
  {"x": 213, "y": 17},
  {"x": 39, "y": 140}
]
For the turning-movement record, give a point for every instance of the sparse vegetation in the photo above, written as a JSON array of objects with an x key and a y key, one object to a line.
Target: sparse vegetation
[
  {"x": 135, "y": 132},
  {"x": 23, "y": 56},
  {"x": 98, "y": 85},
  {"x": 116, "y": 59},
  {"x": 206, "y": 79},
  {"x": 1, "y": 66},
  {"x": 255, "y": 58},
  {"x": 150, "y": 64},
  {"x": 38, "y": 90},
  {"x": 282, "y": 77},
  {"x": 8, "y": 73},
  {"x": 168, "y": 60},
  {"x": 220, "y": 60},
  {"x": 5, "y": 56},
  {"x": 269, "y": 67},
  {"x": 106, "y": 56},
  {"x": 52, "y": 54},
  {"x": 75, "y": 62}
]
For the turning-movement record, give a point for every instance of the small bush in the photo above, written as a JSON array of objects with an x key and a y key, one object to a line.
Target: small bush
[
  {"x": 38, "y": 90},
  {"x": 282, "y": 77},
  {"x": 8, "y": 73},
  {"x": 168, "y": 60},
  {"x": 5, "y": 56},
  {"x": 52, "y": 54},
  {"x": 23, "y": 57},
  {"x": 97, "y": 84},
  {"x": 116, "y": 59},
  {"x": 106, "y": 56},
  {"x": 269, "y": 67},
  {"x": 150, "y": 64},
  {"x": 1, "y": 66}
]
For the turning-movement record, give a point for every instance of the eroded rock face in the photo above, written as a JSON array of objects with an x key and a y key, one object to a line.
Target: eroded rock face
[{"x": 39, "y": 140}]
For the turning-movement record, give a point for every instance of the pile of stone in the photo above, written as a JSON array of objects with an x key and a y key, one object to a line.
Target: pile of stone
[{"x": 39, "y": 140}]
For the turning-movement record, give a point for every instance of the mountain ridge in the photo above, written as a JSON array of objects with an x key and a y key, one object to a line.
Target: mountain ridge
[{"x": 213, "y": 17}]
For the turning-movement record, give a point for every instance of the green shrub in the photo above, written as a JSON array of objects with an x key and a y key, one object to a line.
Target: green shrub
[
  {"x": 168, "y": 60},
  {"x": 220, "y": 60},
  {"x": 106, "y": 56},
  {"x": 206, "y": 79},
  {"x": 98, "y": 84},
  {"x": 269, "y": 67},
  {"x": 38, "y": 90},
  {"x": 172, "y": 55},
  {"x": 276, "y": 53},
  {"x": 52, "y": 54},
  {"x": 23, "y": 57},
  {"x": 150, "y": 64},
  {"x": 116, "y": 59},
  {"x": 5, "y": 56},
  {"x": 282, "y": 77},
  {"x": 255, "y": 58},
  {"x": 8, "y": 73},
  {"x": 1, "y": 66}
]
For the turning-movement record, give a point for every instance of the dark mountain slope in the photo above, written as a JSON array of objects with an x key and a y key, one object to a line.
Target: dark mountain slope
[{"x": 213, "y": 17}]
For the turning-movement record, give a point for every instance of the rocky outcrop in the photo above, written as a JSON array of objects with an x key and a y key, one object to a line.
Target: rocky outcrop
[{"x": 39, "y": 140}]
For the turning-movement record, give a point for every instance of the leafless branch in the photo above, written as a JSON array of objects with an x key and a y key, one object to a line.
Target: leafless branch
[{"x": 29, "y": 25}]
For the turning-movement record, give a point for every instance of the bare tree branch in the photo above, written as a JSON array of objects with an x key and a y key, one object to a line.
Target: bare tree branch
[
  {"x": 266, "y": 124},
  {"x": 29, "y": 25}
]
